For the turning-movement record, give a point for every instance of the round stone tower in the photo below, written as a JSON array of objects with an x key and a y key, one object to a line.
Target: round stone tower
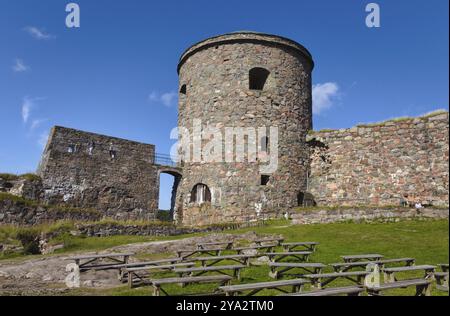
[{"x": 245, "y": 108}]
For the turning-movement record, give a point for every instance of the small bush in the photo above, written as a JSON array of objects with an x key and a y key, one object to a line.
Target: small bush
[
  {"x": 9, "y": 176},
  {"x": 164, "y": 216},
  {"x": 30, "y": 177},
  {"x": 29, "y": 238}
]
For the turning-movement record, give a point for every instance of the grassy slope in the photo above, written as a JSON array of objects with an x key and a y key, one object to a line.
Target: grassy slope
[{"x": 427, "y": 241}]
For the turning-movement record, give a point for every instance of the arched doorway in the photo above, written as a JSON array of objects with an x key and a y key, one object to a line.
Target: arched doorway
[{"x": 169, "y": 179}]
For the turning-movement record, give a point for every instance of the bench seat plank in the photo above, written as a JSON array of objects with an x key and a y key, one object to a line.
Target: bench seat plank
[
  {"x": 350, "y": 291},
  {"x": 411, "y": 268},
  {"x": 354, "y": 276},
  {"x": 100, "y": 256},
  {"x": 423, "y": 287},
  {"x": 296, "y": 284},
  {"x": 349, "y": 265},
  {"x": 351, "y": 258},
  {"x": 157, "y": 283},
  {"x": 277, "y": 269}
]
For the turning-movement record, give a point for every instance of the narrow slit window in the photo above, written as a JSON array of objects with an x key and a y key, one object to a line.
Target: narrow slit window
[
  {"x": 257, "y": 78},
  {"x": 183, "y": 89}
]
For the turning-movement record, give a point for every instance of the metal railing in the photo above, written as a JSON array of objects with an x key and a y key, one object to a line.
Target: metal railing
[{"x": 164, "y": 160}]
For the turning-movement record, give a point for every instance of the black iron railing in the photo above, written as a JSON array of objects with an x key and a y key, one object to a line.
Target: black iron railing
[{"x": 164, "y": 160}]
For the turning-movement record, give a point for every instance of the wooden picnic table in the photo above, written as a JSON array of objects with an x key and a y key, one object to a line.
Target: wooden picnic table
[
  {"x": 295, "y": 285},
  {"x": 389, "y": 273},
  {"x": 158, "y": 283},
  {"x": 206, "y": 245},
  {"x": 241, "y": 259},
  {"x": 318, "y": 282},
  {"x": 444, "y": 267},
  {"x": 343, "y": 267},
  {"x": 263, "y": 248},
  {"x": 122, "y": 267},
  {"x": 302, "y": 256},
  {"x": 142, "y": 273},
  {"x": 306, "y": 245},
  {"x": 92, "y": 262},
  {"x": 277, "y": 269},
  {"x": 259, "y": 242},
  {"x": 423, "y": 287},
  {"x": 189, "y": 253},
  {"x": 198, "y": 271},
  {"x": 369, "y": 257}
]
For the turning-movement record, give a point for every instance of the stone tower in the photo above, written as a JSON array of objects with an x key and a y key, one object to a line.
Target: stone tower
[{"x": 248, "y": 83}]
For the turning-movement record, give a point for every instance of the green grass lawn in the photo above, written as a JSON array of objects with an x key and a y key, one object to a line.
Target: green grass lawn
[{"x": 427, "y": 241}]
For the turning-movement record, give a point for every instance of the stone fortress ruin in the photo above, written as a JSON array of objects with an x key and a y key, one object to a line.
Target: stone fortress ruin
[{"x": 250, "y": 81}]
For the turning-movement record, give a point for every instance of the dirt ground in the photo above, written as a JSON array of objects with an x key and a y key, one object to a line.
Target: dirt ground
[{"x": 46, "y": 275}]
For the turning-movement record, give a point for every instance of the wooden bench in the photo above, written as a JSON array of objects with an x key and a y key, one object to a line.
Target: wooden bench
[
  {"x": 158, "y": 283},
  {"x": 210, "y": 261},
  {"x": 92, "y": 262},
  {"x": 349, "y": 291},
  {"x": 343, "y": 267},
  {"x": 264, "y": 248},
  {"x": 198, "y": 271},
  {"x": 444, "y": 267},
  {"x": 307, "y": 245},
  {"x": 277, "y": 269},
  {"x": 224, "y": 244},
  {"x": 441, "y": 281},
  {"x": 389, "y": 273},
  {"x": 317, "y": 280},
  {"x": 367, "y": 257},
  {"x": 302, "y": 256},
  {"x": 189, "y": 253},
  {"x": 259, "y": 242},
  {"x": 295, "y": 285},
  {"x": 423, "y": 287},
  {"x": 122, "y": 267},
  {"x": 141, "y": 274}
]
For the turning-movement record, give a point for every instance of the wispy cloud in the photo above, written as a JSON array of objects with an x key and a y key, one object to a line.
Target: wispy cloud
[
  {"x": 20, "y": 66},
  {"x": 27, "y": 106},
  {"x": 324, "y": 96},
  {"x": 42, "y": 140},
  {"x": 167, "y": 99},
  {"x": 38, "y": 33},
  {"x": 36, "y": 123}
]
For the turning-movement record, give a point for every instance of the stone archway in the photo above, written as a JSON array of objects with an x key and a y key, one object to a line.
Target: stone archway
[{"x": 176, "y": 173}]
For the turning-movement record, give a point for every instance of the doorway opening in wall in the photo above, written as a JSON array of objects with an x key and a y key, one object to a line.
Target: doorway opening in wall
[
  {"x": 168, "y": 185},
  {"x": 305, "y": 199}
]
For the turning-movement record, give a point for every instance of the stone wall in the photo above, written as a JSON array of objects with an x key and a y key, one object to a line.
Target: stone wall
[
  {"x": 26, "y": 213},
  {"x": 327, "y": 216},
  {"x": 114, "y": 176},
  {"x": 214, "y": 78},
  {"x": 378, "y": 164}
]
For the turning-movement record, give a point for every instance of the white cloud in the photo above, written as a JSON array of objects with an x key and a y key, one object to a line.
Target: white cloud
[
  {"x": 27, "y": 106},
  {"x": 36, "y": 123},
  {"x": 37, "y": 33},
  {"x": 324, "y": 95},
  {"x": 42, "y": 140},
  {"x": 19, "y": 66},
  {"x": 168, "y": 98}
]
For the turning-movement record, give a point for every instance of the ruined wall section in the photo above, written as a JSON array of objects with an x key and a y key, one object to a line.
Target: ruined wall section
[
  {"x": 112, "y": 175},
  {"x": 377, "y": 164}
]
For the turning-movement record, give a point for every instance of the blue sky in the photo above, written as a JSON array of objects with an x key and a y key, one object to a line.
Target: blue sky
[{"x": 116, "y": 74}]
